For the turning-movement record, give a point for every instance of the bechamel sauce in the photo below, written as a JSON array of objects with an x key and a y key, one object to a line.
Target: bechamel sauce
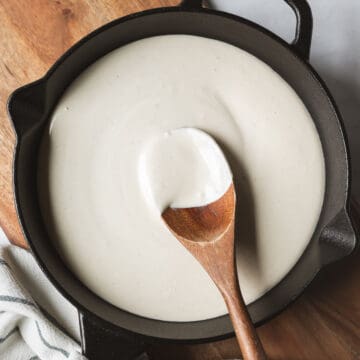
[
  {"x": 183, "y": 168},
  {"x": 96, "y": 164}
]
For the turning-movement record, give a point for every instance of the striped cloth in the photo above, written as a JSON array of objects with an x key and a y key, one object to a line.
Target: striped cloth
[{"x": 26, "y": 331}]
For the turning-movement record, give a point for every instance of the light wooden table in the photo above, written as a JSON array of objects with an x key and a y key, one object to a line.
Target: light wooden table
[{"x": 323, "y": 324}]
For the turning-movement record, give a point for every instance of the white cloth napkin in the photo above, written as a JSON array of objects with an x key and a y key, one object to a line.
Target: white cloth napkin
[{"x": 26, "y": 332}]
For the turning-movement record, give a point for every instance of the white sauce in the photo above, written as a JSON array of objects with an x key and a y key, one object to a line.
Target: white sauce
[
  {"x": 183, "y": 168},
  {"x": 97, "y": 161}
]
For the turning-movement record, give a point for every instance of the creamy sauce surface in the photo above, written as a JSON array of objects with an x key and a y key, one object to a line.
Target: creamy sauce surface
[
  {"x": 183, "y": 168},
  {"x": 104, "y": 173}
]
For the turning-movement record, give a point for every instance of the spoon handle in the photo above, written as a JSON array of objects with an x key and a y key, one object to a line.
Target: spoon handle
[{"x": 246, "y": 335}]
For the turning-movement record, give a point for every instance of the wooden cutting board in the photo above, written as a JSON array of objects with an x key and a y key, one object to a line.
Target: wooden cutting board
[{"x": 324, "y": 324}]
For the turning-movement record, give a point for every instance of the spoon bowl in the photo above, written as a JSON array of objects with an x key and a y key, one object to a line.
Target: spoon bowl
[{"x": 204, "y": 223}]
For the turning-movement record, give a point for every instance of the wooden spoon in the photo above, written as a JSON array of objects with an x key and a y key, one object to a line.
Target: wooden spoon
[{"x": 208, "y": 233}]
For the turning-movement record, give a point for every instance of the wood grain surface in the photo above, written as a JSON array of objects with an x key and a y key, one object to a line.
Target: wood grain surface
[{"x": 323, "y": 324}]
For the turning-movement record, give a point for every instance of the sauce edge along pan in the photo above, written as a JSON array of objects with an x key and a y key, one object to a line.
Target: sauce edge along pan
[{"x": 109, "y": 332}]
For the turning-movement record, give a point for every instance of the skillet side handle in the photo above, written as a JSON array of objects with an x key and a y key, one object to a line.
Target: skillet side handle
[
  {"x": 191, "y": 4},
  {"x": 304, "y": 23},
  {"x": 337, "y": 239},
  {"x": 99, "y": 342},
  {"x": 26, "y": 106},
  {"x": 304, "y": 27}
]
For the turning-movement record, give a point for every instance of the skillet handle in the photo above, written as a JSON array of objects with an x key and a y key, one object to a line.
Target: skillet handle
[
  {"x": 100, "y": 341},
  {"x": 338, "y": 239},
  {"x": 304, "y": 27},
  {"x": 191, "y": 3},
  {"x": 304, "y": 23},
  {"x": 26, "y": 107}
]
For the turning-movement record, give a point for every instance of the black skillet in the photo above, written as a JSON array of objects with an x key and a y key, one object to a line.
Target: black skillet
[{"x": 111, "y": 333}]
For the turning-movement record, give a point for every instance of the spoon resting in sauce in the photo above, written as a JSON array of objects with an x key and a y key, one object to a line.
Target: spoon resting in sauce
[{"x": 207, "y": 232}]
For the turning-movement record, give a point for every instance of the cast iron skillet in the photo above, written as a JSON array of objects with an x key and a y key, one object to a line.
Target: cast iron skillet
[{"x": 111, "y": 333}]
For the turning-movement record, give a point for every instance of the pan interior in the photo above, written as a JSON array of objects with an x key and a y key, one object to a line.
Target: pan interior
[{"x": 91, "y": 172}]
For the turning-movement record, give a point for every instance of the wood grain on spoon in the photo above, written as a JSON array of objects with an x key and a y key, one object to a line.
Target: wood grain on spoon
[{"x": 208, "y": 233}]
